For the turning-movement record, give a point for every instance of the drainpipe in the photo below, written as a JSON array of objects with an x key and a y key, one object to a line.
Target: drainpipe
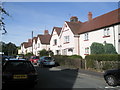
[
  {"x": 114, "y": 36},
  {"x": 78, "y": 46}
]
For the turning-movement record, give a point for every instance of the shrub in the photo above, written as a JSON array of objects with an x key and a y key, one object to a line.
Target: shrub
[
  {"x": 103, "y": 57},
  {"x": 109, "y": 49},
  {"x": 68, "y": 61},
  {"x": 97, "y": 48},
  {"x": 45, "y": 53},
  {"x": 75, "y": 56}
]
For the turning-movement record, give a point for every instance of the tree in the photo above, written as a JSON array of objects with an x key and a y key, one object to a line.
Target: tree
[
  {"x": 109, "y": 49},
  {"x": 2, "y": 24},
  {"x": 45, "y": 53},
  {"x": 9, "y": 49},
  {"x": 97, "y": 48}
]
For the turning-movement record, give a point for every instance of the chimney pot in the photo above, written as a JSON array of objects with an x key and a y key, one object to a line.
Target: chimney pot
[
  {"x": 73, "y": 19},
  {"x": 46, "y": 32},
  {"x": 89, "y": 16}
]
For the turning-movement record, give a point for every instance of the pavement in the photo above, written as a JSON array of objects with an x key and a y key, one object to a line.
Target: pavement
[{"x": 83, "y": 71}]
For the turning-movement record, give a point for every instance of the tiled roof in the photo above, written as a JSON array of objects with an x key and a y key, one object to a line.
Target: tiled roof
[
  {"x": 57, "y": 29},
  {"x": 102, "y": 21},
  {"x": 74, "y": 26},
  {"x": 45, "y": 39},
  {"x": 27, "y": 44}
]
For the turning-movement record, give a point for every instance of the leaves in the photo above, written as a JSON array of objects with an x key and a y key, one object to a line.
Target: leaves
[{"x": 2, "y": 24}]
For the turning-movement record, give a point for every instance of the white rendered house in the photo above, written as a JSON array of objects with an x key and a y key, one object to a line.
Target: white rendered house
[
  {"x": 69, "y": 38},
  {"x": 102, "y": 29},
  {"x": 43, "y": 42},
  {"x": 55, "y": 41}
]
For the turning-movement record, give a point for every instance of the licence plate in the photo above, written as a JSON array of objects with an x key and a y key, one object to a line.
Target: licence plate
[{"x": 19, "y": 76}]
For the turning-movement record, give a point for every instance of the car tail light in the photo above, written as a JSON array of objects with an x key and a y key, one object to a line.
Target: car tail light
[{"x": 35, "y": 61}]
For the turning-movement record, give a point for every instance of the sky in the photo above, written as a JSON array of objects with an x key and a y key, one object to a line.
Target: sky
[{"x": 26, "y": 17}]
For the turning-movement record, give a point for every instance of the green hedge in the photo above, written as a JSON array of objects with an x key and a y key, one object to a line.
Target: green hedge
[
  {"x": 103, "y": 57},
  {"x": 68, "y": 61}
]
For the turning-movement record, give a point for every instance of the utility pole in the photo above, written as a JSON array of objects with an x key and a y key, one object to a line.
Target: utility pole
[{"x": 32, "y": 42}]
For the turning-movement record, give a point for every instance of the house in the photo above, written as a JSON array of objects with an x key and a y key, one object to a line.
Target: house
[
  {"x": 54, "y": 41},
  {"x": 43, "y": 42},
  {"x": 102, "y": 29},
  {"x": 26, "y": 47},
  {"x": 34, "y": 45},
  {"x": 69, "y": 37},
  {"x": 76, "y": 37}
]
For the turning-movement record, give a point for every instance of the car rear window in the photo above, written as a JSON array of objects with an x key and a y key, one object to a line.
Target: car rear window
[
  {"x": 18, "y": 66},
  {"x": 48, "y": 58},
  {"x": 37, "y": 57}
]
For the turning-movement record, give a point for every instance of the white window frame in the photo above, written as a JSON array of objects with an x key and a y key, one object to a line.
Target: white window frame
[
  {"x": 66, "y": 39},
  {"x": 106, "y": 31},
  {"x": 86, "y": 36}
]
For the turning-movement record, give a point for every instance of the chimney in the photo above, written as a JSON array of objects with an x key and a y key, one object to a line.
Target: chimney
[
  {"x": 73, "y": 19},
  {"x": 29, "y": 40},
  {"x": 46, "y": 32},
  {"x": 89, "y": 16}
]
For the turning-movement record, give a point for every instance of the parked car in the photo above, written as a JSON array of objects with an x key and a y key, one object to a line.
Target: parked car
[
  {"x": 34, "y": 59},
  {"x": 19, "y": 72},
  {"x": 46, "y": 61},
  {"x": 112, "y": 77}
]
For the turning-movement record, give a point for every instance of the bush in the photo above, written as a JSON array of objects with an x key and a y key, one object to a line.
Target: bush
[
  {"x": 75, "y": 56},
  {"x": 97, "y": 48},
  {"x": 68, "y": 61},
  {"x": 109, "y": 49},
  {"x": 103, "y": 57},
  {"x": 45, "y": 53}
]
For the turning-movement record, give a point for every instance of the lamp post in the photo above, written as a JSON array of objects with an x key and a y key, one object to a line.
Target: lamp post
[{"x": 32, "y": 42}]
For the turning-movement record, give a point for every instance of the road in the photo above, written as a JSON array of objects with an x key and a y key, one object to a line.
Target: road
[{"x": 69, "y": 78}]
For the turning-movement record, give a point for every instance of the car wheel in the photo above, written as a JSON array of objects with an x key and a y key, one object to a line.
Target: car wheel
[{"x": 111, "y": 80}]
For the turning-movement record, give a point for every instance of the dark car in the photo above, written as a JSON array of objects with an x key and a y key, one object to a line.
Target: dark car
[
  {"x": 112, "y": 77},
  {"x": 19, "y": 72},
  {"x": 46, "y": 61}
]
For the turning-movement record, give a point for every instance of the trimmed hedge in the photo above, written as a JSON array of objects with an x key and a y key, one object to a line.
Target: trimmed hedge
[
  {"x": 73, "y": 61},
  {"x": 103, "y": 57}
]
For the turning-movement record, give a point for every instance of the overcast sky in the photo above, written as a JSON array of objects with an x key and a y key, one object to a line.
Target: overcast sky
[{"x": 26, "y": 17}]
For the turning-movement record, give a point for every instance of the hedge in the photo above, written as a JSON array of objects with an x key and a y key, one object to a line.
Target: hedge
[
  {"x": 103, "y": 57},
  {"x": 73, "y": 61}
]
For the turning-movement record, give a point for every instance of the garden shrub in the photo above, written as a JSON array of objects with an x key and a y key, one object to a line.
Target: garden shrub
[{"x": 97, "y": 48}]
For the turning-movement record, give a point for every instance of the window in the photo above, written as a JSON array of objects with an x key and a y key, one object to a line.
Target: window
[
  {"x": 38, "y": 45},
  {"x": 106, "y": 32},
  {"x": 86, "y": 36},
  {"x": 66, "y": 39},
  {"x": 87, "y": 51},
  {"x": 65, "y": 52},
  {"x": 55, "y": 41}
]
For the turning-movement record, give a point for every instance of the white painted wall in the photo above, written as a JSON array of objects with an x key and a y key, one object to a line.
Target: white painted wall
[
  {"x": 97, "y": 36},
  {"x": 52, "y": 46},
  {"x": 40, "y": 46},
  {"x": 66, "y": 31}
]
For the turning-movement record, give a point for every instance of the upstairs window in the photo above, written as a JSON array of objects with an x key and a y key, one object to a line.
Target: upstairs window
[
  {"x": 55, "y": 41},
  {"x": 86, "y": 37},
  {"x": 66, "y": 39},
  {"x": 106, "y": 32}
]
